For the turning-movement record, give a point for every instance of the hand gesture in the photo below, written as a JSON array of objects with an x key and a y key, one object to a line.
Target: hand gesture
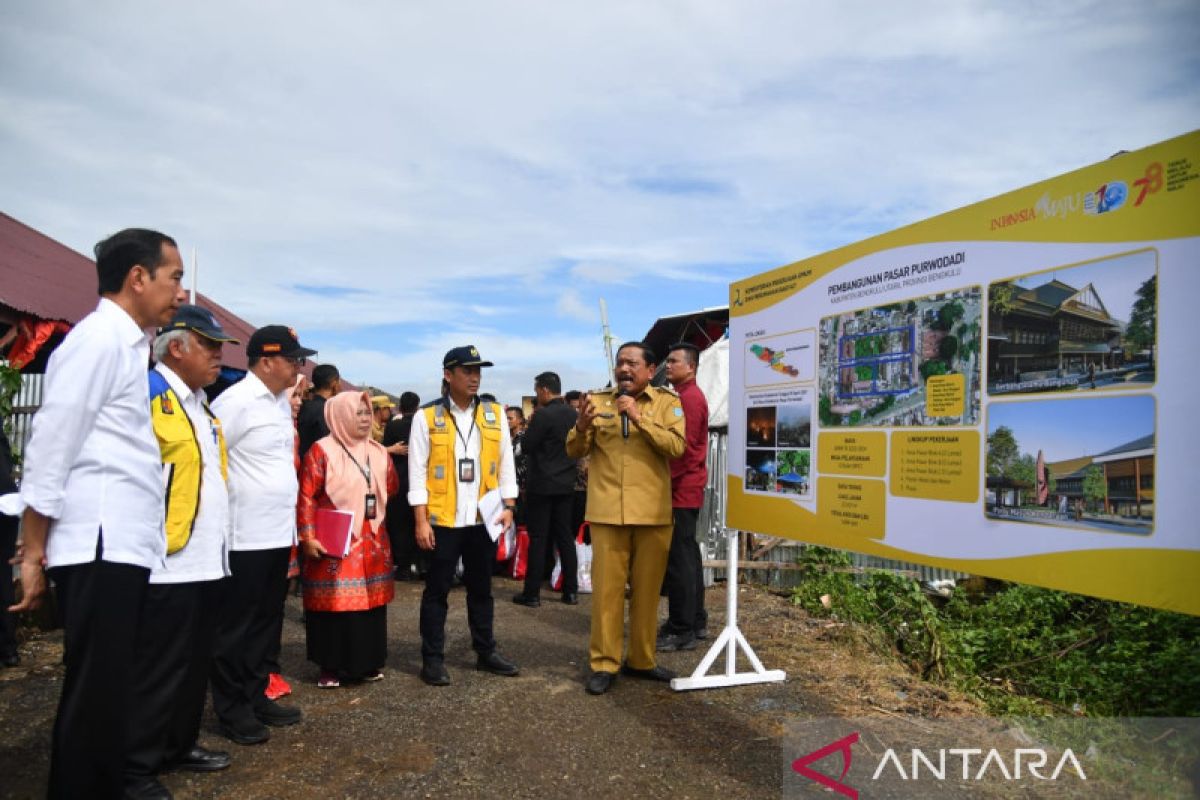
[{"x": 587, "y": 413}]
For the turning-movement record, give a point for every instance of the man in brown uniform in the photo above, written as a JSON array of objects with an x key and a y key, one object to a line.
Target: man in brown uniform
[{"x": 631, "y": 434}]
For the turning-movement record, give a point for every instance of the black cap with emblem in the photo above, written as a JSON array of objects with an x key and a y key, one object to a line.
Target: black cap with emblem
[{"x": 465, "y": 356}]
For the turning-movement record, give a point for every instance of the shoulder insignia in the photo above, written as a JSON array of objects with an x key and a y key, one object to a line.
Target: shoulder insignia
[{"x": 157, "y": 384}]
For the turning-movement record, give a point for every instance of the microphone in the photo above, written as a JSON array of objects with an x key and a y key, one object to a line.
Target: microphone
[{"x": 624, "y": 416}]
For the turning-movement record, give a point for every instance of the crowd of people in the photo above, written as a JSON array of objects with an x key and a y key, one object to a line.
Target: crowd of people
[{"x": 170, "y": 527}]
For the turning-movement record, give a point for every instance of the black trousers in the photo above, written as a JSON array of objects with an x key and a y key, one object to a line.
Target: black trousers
[
  {"x": 251, "y": 612},
  {"x": 101, "y": 604},
  {"x": 685, "y": 576},
  {"x": 549, "y": 520},
  {"x": 402, "y": 533},
  {"x": 478, "y": 553},
  {"x": 578, "y": 511},
  {"x": 8, "y": 623},
  {"x": 171, "y": 666}
]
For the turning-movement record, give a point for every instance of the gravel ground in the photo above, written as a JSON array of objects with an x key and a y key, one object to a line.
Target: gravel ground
[{"x": 538, "y": 735}]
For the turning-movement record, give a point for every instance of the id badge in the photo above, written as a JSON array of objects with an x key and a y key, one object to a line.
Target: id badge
[
  {"x": 370, "y": 511},
  {"x": 466, "y": 470}
]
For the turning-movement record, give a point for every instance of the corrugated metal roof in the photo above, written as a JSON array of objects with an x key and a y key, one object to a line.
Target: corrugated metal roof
[
  {"x": 1144, "y": 443},
  {"x": 47, "y": 279}
]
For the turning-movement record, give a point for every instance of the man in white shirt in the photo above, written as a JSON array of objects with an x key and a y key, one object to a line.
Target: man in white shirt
[
  {"x": 257, "y": 418},
  {"x": 179, "y": 619},
  {"x": 93, "y": 493},
  {"x": 458, "y": 451}
]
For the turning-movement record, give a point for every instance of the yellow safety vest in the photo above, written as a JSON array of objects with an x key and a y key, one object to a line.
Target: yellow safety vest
[
  {"x": 183, "y": 466},
  {"x": 441, "y": 474}
]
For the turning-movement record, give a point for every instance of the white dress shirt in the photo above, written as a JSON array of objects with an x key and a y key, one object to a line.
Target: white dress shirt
[
  {"x": 205, "y": 557},
  {"x": 262, "y": 467},
  {"x": 92, "y": 463},
  {"x": 466, "y": 495}
]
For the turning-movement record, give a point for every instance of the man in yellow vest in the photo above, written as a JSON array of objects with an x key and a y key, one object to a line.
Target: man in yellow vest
[
  {"x": 176, "y": 637},
  {"x": 630, "y": 433},
  {"x": 458, "y": 453}
]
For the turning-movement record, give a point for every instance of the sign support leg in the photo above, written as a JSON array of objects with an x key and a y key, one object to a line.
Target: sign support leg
[{"x": 730, "y": 640}]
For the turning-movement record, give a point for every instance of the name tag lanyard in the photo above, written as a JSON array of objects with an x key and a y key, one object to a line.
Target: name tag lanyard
[
  {"x": 371, "y": 500},
  {"x": 466, "y": 466}
]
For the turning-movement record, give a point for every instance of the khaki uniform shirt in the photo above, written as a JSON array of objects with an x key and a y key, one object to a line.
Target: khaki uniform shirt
[{"x": 629, "y": 480}]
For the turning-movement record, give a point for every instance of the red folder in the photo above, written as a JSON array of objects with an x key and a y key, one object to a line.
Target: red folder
[{"x": 333, "y": 531}]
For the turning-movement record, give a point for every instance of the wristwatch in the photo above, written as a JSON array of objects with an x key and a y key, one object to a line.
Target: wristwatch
[{"x": 507, "y": 507}]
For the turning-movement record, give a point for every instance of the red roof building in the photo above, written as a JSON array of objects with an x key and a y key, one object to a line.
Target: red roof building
[{"x": 42, "y": 280}]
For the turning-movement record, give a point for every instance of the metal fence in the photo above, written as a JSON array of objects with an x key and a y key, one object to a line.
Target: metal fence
[
  {"x": 25, "y": 405},
  {"x": 713, "y": 540}
]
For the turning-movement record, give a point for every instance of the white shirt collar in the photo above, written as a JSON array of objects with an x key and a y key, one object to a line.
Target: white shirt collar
[
  {"x": 255, "y": 383},
  {"x": 130, "y": 332},
  {"x": 175, "y": 382}
]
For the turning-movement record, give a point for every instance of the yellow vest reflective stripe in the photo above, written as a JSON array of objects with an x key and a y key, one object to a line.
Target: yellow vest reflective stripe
[
  {"x": 183, "y": 466},
  {"x": 441, "y": 474}
]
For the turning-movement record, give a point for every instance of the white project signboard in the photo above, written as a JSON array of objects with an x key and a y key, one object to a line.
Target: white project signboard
[{"x": 1008, "y": 389}]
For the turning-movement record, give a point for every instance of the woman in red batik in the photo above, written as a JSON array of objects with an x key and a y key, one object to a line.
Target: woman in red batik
[{"x": 345, "y": 600}]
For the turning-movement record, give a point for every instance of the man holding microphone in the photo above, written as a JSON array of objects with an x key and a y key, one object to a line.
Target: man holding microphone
[{"x": 631, "y": 434}]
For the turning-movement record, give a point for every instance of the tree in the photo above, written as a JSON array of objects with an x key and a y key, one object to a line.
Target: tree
[
  {"x": 1094, "y": 488},
  {"x": 826, "y": 413},
  {"x": 948, "y": 348},
  {"x": 1002, "y": 298},
  {"x": 1002, "y": 451},
  {"x": 1023, "y": 470},
  {"x": 10, "y": 387},
  {"x": 911, "y": 308},
  {"x": 1143, "y": 318},
  {"x": 933, "y": 367},
  {"x": 949, "y": 314}
]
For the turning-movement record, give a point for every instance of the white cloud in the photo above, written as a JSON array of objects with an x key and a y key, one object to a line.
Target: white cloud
[
  {"x": 416, "y": 364},
  {"x": 514, "y": 162},
  {"x": 572, "y": 306}
]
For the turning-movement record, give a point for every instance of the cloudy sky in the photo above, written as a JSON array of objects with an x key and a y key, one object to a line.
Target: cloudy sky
[{"x": 394, "y": 178}]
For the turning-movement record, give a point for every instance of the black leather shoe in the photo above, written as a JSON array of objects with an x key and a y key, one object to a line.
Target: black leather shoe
[
  {"x": 201, "y": 759},
  {"x": 702, "y": 633},
  {"x": 245, "y": 732},
  {"x": 497, "y": 664},
  {"x": 655, "y": 673},
  {"x": 676, "y": 641},
  {"x": 570, "y": 598},
  {"x": 146, "y": 788},
  {"x": 529, "y": 602},
  {"x": 271, "y": 713},
  {"x": 434, "y": 673},
  {"x": 600, "y": 682}
]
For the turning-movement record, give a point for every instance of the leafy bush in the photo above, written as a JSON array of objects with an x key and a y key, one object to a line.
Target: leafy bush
[{"x": 1020, "y": 646}]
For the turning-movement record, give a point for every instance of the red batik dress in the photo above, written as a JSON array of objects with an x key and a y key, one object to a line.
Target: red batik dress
[{"x": 345, "y": 600}]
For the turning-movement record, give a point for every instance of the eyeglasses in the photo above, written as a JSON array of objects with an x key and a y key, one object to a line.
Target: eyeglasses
[{"x": 299, "y": 361}]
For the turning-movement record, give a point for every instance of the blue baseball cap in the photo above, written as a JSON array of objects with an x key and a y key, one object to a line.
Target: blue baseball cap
[{"x": 200, "y": 320}]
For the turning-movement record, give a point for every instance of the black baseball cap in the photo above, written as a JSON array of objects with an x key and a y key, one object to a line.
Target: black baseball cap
[
  {"x": 200, "y": 320},
  {"x": 276, "y": 340},
  {"x": 465, "y": 356}
]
